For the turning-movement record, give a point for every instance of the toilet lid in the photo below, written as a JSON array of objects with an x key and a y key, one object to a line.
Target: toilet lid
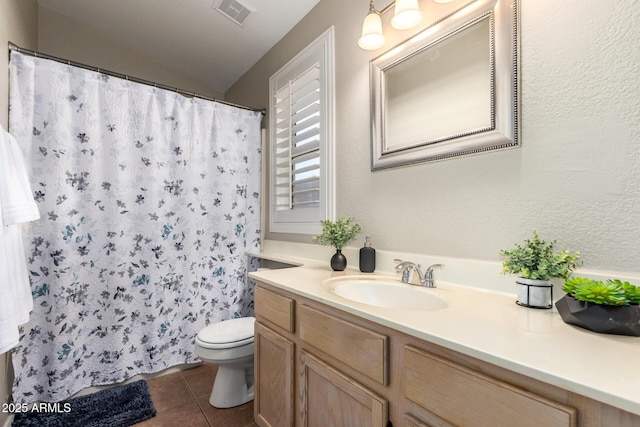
[{"x": 237, "y": 331}]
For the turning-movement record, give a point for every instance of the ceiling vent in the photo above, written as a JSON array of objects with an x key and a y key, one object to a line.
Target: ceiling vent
[{"x": 235, "y": 10}]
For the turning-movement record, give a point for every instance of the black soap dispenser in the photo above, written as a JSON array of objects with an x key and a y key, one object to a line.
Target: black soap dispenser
[{"x": 367, "y": 257}]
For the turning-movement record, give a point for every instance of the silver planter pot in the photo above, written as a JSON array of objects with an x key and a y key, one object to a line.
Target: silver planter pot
[{"x": 534, "y": 293}]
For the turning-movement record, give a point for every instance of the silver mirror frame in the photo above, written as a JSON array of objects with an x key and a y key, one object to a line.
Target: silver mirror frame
[{"x": 504, "y": 51}]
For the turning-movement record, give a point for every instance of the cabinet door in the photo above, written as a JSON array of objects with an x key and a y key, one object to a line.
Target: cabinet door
[
  {"x": 274, "y": 380},
  {"x": 331, "y": 399}
]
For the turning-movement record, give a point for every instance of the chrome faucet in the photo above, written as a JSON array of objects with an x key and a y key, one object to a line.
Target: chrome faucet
[{"x": 412, "y": 273}]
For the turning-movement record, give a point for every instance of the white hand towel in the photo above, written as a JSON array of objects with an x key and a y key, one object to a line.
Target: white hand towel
[
  {"x": 17, "y": 206},
  {"x": 8, "y": 319}
]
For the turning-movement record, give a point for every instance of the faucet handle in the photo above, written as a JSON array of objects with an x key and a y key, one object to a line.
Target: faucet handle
[
  {"x": 431, "y": 267},
  {"x": 428, "y": 275},
  {"x": 399, "y": 265}
]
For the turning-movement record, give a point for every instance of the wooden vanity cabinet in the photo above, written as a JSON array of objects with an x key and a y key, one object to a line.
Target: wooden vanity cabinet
[
  {"x": 320, "y": 366},
  {"x": 320, "y": 356}
]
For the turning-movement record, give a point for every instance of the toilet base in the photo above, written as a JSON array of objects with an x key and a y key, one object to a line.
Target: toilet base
[{"x": 233, "y": 386}]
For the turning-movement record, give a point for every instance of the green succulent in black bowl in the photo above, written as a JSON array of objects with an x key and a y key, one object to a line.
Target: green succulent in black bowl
[
  {"x": 611, "y": 292},
  {"x": 610, "y": 307}
]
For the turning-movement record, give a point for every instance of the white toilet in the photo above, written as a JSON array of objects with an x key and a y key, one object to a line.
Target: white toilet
[{"x": 229, "y": 344}]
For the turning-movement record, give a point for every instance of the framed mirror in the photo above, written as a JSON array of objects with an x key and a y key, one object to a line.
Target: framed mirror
[{"x": 450, "y": 90}]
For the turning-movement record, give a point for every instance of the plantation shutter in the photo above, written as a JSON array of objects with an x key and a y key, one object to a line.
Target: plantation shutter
[
  {"x": 298, "y": 142},
  {"x": 301, "y": 140}
]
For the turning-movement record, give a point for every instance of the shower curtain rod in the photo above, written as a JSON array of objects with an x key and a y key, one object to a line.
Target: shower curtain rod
[{"x": 13, "y": 46}]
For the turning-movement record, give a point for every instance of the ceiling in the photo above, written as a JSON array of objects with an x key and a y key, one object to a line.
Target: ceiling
[{"x": 189, "y": 36}]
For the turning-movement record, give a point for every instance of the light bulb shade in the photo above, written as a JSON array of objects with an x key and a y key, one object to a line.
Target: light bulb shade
[
  {"x": 406, "y": 14},
  {"x": 372, "y": 37}
]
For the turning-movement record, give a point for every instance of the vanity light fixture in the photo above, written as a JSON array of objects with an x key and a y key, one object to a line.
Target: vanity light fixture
[
  {"x": 372, "y": 37},
  {"x": 406, "y": 15}
]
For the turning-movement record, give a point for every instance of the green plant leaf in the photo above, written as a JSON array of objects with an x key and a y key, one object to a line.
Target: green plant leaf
[
  {"x": 612, "y": 292},
  {"x": 632, "y": 292},
  {"x": 601, "y": 293},
  {"x": 338, "y": 233},
  {"x": 571, "y": 284},
  {"x": 537, "y": 260}
]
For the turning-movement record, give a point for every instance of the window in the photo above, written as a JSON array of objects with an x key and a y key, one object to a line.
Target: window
[{"x": 301, "y": 140}]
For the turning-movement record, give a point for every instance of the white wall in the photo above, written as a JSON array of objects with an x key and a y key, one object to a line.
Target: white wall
[{"x": 576, "y": 177}]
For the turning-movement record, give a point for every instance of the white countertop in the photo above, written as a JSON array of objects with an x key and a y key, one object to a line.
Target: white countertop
[{"x": 488, "y": 325}]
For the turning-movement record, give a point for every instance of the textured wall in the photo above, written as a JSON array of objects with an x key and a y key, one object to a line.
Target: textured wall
[
  {"x": 18, "y": 24},
  {"x": 575, "y": 178},
  {"x": 63, "y": 37}
]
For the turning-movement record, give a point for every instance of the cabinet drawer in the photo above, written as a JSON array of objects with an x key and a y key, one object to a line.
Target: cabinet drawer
[
  {"x": 465, "y": 397},
  {"x": 274, "y": 308},
  {"x": 357, "y": 347}
]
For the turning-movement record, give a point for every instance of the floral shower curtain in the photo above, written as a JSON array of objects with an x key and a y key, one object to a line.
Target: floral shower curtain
[{"x": 149, "y": 203}]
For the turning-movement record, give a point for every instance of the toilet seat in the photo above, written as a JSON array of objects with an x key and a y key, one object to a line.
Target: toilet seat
[{"x": 227, "y": 334}]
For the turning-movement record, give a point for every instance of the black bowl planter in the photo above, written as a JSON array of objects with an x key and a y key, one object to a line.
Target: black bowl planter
[{"x": 605, "y": 319}]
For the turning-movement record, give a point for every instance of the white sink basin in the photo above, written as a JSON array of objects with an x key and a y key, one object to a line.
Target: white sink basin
[{"x": 385, "y": 292}]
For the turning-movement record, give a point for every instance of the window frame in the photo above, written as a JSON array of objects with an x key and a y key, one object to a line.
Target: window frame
[{"x": 307, "y": 220}]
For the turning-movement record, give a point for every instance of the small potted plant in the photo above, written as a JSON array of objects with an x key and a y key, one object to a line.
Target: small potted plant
[
  {"x": 536, "y": 263},
  {"x": 610, "y": 307},
  {"x": 337, "y": 234}
]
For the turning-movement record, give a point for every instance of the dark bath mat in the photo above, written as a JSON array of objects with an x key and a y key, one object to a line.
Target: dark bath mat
[{"x": 119, "y": 406}]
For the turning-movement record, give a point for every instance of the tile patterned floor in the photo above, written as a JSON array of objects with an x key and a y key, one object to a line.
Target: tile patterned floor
[{"x": 182, "y": 399}]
